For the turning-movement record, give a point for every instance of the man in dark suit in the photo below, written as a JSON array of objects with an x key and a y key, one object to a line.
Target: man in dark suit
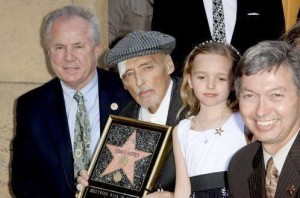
[
  {"x": 145, "y": 66},
  {"x": 43, "y": 164},
  {"x": 246, "y": 23},
  {"x": 267, "y": 83}
]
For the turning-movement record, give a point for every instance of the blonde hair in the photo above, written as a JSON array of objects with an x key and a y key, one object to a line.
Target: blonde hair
[{"x": 189, "y": 100}]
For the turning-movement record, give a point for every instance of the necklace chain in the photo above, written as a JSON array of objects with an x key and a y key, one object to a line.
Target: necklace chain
[{"x": 218, "y": 129}]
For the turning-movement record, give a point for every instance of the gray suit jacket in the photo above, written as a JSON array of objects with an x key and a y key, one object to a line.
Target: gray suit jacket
[
  {"x": 166, "y": 178},
  {"x": 247, "y": 173}
]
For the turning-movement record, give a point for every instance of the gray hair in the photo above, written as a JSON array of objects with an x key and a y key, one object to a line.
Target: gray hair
[
  {"x": 68, "y": 12},
  {"x": 266, "y": 56}
]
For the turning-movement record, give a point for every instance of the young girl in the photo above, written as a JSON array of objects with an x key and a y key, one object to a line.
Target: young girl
[{"x": 213, "y": 131}]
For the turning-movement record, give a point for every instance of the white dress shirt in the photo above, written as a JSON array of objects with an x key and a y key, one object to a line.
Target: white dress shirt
[{"x": 91, "y": 101}]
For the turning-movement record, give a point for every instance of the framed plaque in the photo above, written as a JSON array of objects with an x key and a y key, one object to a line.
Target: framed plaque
[{"x": 128, "y": 159}]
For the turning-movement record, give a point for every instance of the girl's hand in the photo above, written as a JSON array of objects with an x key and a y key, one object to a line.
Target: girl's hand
[{"x": 160, "y": 194}]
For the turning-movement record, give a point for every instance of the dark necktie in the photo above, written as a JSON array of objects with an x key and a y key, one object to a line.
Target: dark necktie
[
  {"x": 82, "y": 136},
  {"x": 218, "y": 21},
  {"x": 271, "y": 178}
]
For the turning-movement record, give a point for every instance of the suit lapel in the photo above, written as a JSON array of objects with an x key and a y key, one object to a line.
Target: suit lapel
[
  {"x": 202, "y": 18},
  {"x": 256, "y": 181},
  {"x": 289, "y": 183},
  {"x": 103, "y": 102},
  {"x": 58, "y": 127},
  {"x": 133, "y": 110},
  {"x": 175, "y": 102},
  {"x": 238, "y": 24},
  {"x": 112, "y": 96}
]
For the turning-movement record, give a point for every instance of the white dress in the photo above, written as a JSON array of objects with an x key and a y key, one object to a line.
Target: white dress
[{"x": 213, "y": 156}]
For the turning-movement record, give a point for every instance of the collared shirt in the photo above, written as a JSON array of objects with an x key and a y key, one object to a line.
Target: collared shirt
[
  {"x": 91, "y": 101},
  {"x": 280, "y": 156},
  {"x": 161, "y": 115},
  {"x": 230, "y": 10}
]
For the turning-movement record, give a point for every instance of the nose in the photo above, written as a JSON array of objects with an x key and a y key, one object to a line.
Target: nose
[
  {"x": 262, "y": 107},
  {"x": 210, "y": 84},
  {"x": 139, "y": 79},
  {"x": 69, "y": 55}
]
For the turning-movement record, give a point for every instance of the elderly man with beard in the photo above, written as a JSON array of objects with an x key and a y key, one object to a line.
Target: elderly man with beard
[{"x": 145, "y": 65}]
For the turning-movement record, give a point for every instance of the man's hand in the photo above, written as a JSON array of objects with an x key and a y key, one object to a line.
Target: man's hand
[{"x": 82, "y": 180}]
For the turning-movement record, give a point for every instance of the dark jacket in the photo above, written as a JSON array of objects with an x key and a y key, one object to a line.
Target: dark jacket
[
  {"x": 256, "y": 21},
  {"x": 246, "y": 173},
  {"x": 42, "y": 164}
]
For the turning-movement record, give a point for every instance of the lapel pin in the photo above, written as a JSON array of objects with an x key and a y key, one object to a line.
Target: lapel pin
[
  {"x": 114, "y": 106},
  {"x": 291, "y": 189}
]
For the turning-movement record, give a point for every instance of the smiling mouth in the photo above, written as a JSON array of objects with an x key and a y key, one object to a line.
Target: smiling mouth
[
  {"x": 71, "y": 69},
  {"x": 266, "y": 123}
]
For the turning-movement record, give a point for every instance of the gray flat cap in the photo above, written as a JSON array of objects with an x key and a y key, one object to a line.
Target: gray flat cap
[{"x": 139, "y": 43}]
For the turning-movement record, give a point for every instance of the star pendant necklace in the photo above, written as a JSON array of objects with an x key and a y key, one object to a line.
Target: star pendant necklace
[{"x": 218, "y": 129}]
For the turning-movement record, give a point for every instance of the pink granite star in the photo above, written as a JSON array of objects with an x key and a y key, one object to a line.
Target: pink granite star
[{"x": 124, "y": 157}]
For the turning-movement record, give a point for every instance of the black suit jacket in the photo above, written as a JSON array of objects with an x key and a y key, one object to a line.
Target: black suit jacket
[
  {"x": 266, "y": 24},
  {"x": 246, "y": 173},
  {"x": 42, "y": 164},
  {"x": 166, "y": 178}
]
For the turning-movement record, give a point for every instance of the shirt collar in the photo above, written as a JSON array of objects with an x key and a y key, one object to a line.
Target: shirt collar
[
  {"x": 280, "y": 156},
  {"x": 87, "y": 91}
]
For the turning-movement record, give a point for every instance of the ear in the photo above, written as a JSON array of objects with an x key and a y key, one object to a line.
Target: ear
[
  {"x": 97, "y": 50},
  {"x": 189, "y": 81},
  {"x": 48, "y": 51},
  {"x": 170, "y": 64}
]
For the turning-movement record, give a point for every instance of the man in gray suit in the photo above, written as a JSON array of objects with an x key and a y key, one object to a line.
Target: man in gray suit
[
  {"x": 267, "y": 83},
  {"x": 145, "y": 65}
]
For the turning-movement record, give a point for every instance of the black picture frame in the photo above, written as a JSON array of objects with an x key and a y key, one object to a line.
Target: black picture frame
[{"x": 128, "y": 159}]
